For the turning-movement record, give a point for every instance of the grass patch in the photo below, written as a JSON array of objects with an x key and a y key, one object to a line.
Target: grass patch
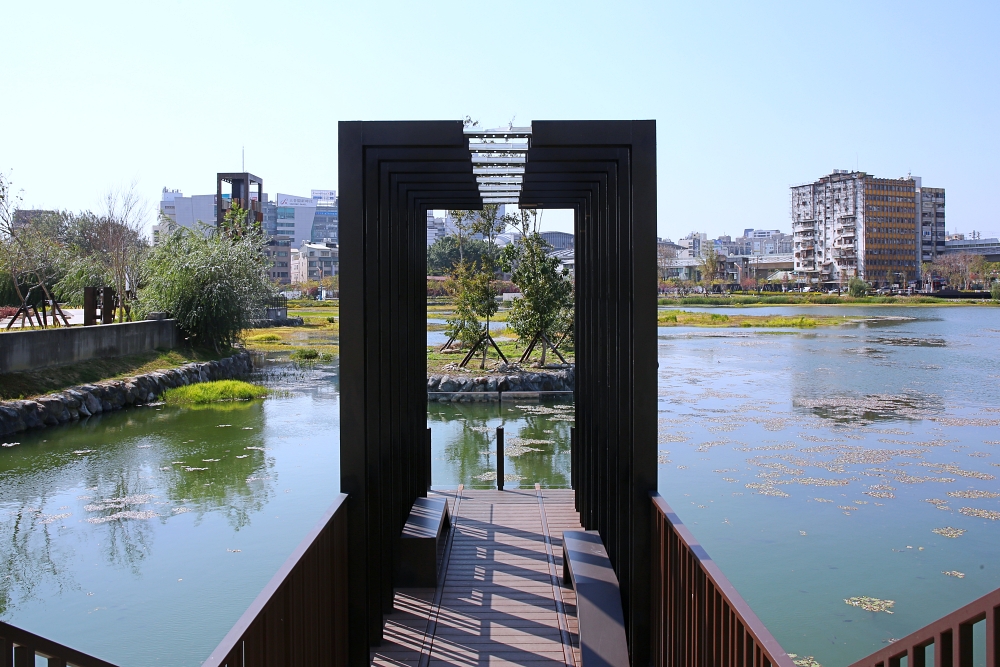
[
  {"x": 316, "y": 334},
  {"x": 218, "y": 391},
  {"x": 307, "y": 354},
  {"x": 264, "y": 338},
  {"x": 667, "y": 318},
  {"x": 28, "y": 384}
]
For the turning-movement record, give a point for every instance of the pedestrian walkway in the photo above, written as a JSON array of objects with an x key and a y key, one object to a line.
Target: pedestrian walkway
[{"x": 500, "y": 598}]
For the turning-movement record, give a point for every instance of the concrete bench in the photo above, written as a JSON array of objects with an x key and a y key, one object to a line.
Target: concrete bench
[
  {"x": 421, "y": 544},
  {"x": 587, "y": 569}
]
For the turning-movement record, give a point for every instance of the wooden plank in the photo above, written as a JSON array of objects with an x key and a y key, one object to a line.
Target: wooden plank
[{"x": 497, "y": 604}]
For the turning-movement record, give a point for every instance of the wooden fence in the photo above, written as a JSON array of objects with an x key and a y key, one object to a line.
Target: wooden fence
[
  {"x": 300, "y": 618},
  {"x": 950, "y": 638},
  {"x": 19, "y": 648},
  {"x": 698, "y": 618}
]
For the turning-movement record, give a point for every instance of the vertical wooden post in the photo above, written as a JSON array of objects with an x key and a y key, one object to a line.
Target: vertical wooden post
[{"x": 499, "y": 458}]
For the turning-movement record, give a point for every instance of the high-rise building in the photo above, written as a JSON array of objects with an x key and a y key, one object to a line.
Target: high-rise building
[
  {"x": 932, "y": 222},
  {"x": 850, "y": 223}
]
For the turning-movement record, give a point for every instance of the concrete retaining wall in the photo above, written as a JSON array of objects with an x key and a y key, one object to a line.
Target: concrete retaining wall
[
  {"x": 31, "y": 350},
  {"x": 90, "y": 399}
]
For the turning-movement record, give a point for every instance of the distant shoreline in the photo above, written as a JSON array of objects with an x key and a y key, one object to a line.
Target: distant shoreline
[{"x": 739, "y": 301}]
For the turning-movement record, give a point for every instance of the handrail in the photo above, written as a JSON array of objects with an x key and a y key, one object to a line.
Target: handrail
[
  {"x": 698, "y": 616},
  {"x": 943, "y": 634},
  {"x": 19, "y": 647},
  {"x": 300, "y": 618}
]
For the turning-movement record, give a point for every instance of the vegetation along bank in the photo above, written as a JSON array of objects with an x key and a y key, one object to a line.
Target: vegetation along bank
[{"x": 83, "y": 401}]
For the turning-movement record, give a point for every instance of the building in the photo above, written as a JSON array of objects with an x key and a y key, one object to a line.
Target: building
[
  {"x": 756, "y": 242},
  {"x": 850, "y": 223},
  {"x": 436, "y": 228},
  {"x": 988, "y": 248},
  {"x": 558, "y": 240},
  {"x": 279, "y": 251},
  {"x": 310, "y": 219},
  {"x": 314, "y": 261},
  {"x": 932, "y": 222},
  {"x": 692, "y": 245},
  {"x": 241, "y": 194},
  {"x": 176, "y": 211}
]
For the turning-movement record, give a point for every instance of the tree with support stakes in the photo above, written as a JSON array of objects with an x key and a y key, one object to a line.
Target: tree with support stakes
[
  {"x": 32, "y": 258},
  {"x": 476, "y": 288},
  {"x": 545, "y": 309}
]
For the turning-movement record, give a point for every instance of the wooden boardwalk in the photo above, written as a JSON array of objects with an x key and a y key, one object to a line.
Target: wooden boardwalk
[{"x": 500, "y": 598}]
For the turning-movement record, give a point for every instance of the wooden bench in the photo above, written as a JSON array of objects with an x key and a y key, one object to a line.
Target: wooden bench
[
  {"x": 587, "y": 569},
  {"x": 421, "y": 544}
]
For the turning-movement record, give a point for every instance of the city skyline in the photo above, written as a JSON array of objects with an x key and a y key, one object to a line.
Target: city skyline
[{"x": 751, "y": 99}]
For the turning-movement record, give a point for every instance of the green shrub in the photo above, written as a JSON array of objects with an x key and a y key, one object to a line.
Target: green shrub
[
  {"x": 307, "y": 354},
  {"x": 331, "y": 320},
  {"x": 214, "y": 392},
  {"x": 716, "y": 317},
  {"x": 995, "y": 292}
]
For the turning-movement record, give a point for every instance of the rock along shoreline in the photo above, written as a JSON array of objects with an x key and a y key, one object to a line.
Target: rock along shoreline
[
  {"x": 457, "y": 389},
  {"x": 86, "y": 400}
]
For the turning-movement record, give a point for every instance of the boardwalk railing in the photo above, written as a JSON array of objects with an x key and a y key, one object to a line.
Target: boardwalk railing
[
  {"x": 698, "y": 617},
  {"x": 951, "y": 637},
  {"x": 19, "y": 648},
  {"x": 300, "y": 618}
]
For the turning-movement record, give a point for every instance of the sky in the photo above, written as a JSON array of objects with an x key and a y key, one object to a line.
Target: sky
[{"x": 749, "y": 98}]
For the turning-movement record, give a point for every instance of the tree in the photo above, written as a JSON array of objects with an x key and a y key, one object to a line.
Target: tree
[
  {"x": 857, "y": 287},
  {"x": 108, "y": 249},
  {"x": 545, "y": 308},
  {"x": 710, "y": 265},
  {"x": 477, "y": 287},
  {"x": 666, "y": 255},
  {"x": 32, "y": 255},
  {"x": 212, "y": 282},
  {"x": 443, "y": 255}
]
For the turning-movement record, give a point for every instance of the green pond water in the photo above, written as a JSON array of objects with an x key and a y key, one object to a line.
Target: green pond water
[{"x": 803, "y": 461}]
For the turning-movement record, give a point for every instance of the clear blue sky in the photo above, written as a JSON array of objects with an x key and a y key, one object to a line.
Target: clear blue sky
[{"x": 748, "y": 97}]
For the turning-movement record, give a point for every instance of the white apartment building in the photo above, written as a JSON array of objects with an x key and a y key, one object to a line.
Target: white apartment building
[{"x": 314, "y": 261}]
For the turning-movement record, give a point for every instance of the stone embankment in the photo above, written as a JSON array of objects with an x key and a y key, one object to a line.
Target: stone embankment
[
  {"x": 91, "y": 399},
  {"x": 456, "y": 388}
]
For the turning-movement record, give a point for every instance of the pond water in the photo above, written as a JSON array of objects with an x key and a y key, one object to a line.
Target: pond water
[
  {"x": 815, "y": 466},
  {"x": 141, "y": 536}
]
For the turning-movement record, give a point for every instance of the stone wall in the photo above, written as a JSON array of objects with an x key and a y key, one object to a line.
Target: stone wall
[
  {"x": 455, "y": 388},
  {"x": 90, "y": 399},
  {"x": 40, "y": 348}
]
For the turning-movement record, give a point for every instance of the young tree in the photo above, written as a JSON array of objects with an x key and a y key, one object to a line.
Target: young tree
[
  {"x": 477, "y": 287},
  {"x": 711, "y": 265},
  {"x": 545, "y": 308}
]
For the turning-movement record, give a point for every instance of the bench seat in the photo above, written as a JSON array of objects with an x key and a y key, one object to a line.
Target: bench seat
[
  {"x": 421, "y": 544},
  {"x": 587, "y": 569}
]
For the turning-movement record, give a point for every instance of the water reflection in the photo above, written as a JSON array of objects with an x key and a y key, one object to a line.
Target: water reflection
[
  {"x": 157, "y": 521},
  {"x": 536, "y": 443}
]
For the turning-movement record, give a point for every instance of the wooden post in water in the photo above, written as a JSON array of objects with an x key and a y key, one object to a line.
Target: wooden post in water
[{"x": 499, "y": 458}]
